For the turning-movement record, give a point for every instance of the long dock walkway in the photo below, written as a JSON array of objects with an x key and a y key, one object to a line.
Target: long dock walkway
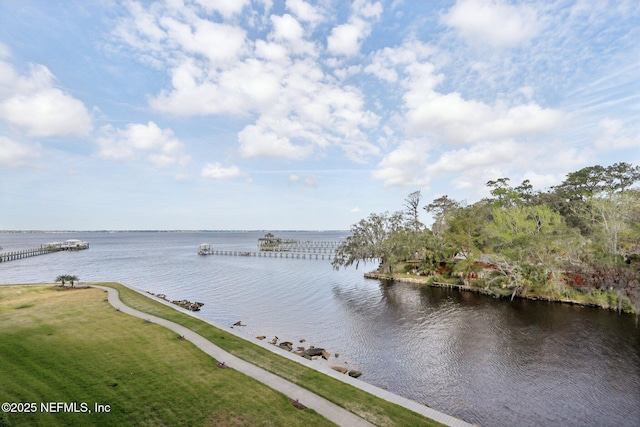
[
  {"x": 326, "y": 408},
  {"x": 69, "y": 245},
  {"x": 268, "y": 254},
  {"x": 27, "y": 253},
  {"x": 321, "y": 405},
  {"x": 272, "y": 247}
]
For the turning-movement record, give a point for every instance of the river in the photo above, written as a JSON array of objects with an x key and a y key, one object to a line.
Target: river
[{"x": 488, "y": 361}]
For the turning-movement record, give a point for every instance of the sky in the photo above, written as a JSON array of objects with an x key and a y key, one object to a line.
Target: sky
[{"x": 296, "y": 115}]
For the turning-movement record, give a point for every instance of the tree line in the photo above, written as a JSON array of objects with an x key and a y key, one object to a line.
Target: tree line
[{"x": 578, "y": 239}]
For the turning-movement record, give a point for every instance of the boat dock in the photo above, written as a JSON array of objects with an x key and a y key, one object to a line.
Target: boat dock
[
  {"x": 67, "y": 245},
  {"x": 274, "y": 247},
  {"x": 319, "y": 247},
  {"x": 206, "y": 249}
]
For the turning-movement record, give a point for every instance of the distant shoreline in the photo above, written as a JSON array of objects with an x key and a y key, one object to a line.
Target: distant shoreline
[{"x": 170, "y": 231}]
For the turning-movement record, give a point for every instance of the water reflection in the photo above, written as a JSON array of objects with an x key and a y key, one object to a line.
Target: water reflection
[
  {"x": 557, "y": 355},
  {"x": 536, "y": 363}
]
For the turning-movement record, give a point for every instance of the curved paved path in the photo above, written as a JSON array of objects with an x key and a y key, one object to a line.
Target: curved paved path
[{"x": 327, "y": 409}]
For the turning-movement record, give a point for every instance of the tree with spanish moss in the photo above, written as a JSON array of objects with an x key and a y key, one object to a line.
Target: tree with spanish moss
[{"x": 370, "y": 241}]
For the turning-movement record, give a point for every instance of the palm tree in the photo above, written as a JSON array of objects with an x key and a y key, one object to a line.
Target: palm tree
[
  {"x": 72, "y": 279},
  {"x": 62, "y": 278},
  {"x": 67, "y": 278}
]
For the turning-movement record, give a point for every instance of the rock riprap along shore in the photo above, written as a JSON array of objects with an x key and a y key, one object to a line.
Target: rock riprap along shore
[
  {"x": 311, "y": 353},
  {"x": 186, "y": 304}
]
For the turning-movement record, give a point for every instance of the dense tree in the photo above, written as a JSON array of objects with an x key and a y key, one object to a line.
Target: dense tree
[
  {"x": 589, "y": 226},
  {"x": 527, "y": 233},
  {"x": 441, "y": 209},
  {"x": 621, "y": 176},
  {"x": 465, "y": 230},
  {"x": 370, "y": 240},
  {"x": 507, "y": 196},
  {"x": 524, "y": 192},
  {"x": 502, "y": 191}
]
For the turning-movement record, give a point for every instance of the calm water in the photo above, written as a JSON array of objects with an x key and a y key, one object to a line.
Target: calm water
[{"x": 491, "y": 362}]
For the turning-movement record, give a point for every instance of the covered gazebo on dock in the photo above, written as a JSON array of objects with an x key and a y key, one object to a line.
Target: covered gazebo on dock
[{"x": 204, "y": 248}]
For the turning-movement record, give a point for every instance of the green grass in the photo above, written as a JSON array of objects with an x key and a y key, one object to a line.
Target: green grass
[
  {"x": 375, "y": 410},
  {"x": 72, "y": 346},
  {"x": 161, "y": 380}
]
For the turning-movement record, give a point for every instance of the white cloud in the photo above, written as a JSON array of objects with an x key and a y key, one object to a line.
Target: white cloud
[
  {"x": 136, "y": 141},
  {"x": 482, "y": 155},
  {"x": 404, "y": 165},
  {"x": 367, "y": 9},
  {"x": 287, "y": 29},
  {"x": 272, "y": 52},
  {"x": 493, "y": 22},
  {"x": 219, "y": 43},
  {"x": 258, "y": 141},
  {"x": 614, "y": 135},
  {"x": 527, "y": 91},
  {"x": 470, "y": 168},
  {"x": 165, "y": 33},
  {"x": 389, "y": 63},
  {"x": 217, "y": 171},
  {"x": 227, "y": 8},
  {"x": 346, "y": 39},
  {"x": 33, "y": 104},
  {"x": 294, "y": 105},
  {"x": 249, "y": 86},
  {"x": 13, "y": 154},
  {"x": 460, "y": 121},
  {"x": 542, "y": 181},
  {"x": 304, "y": 11},
  {"x": 310, "y": 181}
]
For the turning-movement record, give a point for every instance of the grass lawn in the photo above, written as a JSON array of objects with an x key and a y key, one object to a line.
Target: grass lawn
[
  {"x": 377, "y": 411},
  {"x": 72, "y": 346}
]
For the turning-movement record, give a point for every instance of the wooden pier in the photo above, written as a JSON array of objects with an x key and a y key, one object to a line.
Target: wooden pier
[
  {"x": 271, "y": 246},
  {"x": 266, "y": 254},
  {"x": 320, "y": 247},
  {"x": 69, "y": 245},
  {"x": 272, "y": 243}
]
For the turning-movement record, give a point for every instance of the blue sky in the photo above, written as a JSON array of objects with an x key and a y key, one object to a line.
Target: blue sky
[{"x": 241, "y": 114}]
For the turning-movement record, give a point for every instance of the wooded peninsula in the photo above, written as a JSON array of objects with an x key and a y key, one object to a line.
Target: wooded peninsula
[{"x": 578, "y": 241}]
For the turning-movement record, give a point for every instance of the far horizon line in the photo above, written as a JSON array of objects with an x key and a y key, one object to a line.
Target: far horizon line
[{"x": 174, "y": 231}]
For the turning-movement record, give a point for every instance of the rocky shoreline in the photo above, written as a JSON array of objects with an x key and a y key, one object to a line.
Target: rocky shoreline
[
  {"x": 186, "y": 304},
  {"x": 311, "y": 353}
]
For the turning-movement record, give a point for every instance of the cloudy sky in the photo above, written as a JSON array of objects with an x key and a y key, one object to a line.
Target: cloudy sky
[{"x": 269, "y": 114}]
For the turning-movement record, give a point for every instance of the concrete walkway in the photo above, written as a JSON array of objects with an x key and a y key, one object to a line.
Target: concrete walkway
[
  {"x": 324, "y": 407},
  {"x": 327, "y": 409}
]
